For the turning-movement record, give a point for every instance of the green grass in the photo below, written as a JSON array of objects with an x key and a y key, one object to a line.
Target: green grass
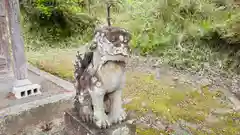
[
  {"x": 169, "y": 103},
  {"x": 150, "y": 131},
  {"x": 187, "y": 34},
  {"x": 174, "y": 104}
]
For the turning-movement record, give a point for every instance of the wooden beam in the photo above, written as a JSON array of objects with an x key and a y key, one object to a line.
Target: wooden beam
[
  {"x": 19, "y": 59},
  {"x": 4, "y": 37},
  {"x": 2, "y": 8}
]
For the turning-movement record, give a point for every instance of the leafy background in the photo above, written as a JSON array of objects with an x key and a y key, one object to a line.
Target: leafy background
[{"x": 186, "y": 34}]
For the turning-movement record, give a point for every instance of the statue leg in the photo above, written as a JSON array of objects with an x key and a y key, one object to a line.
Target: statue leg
[
  {"x": 117, "y": 113},
  {"x": 100, "y": 117},
  {"x": 85, "y": 108}
]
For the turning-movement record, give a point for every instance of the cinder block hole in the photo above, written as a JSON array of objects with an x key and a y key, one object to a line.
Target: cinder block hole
[
  {"x": 29, "y": 92},
  {"x": 23, "y": 93},
  {"x": 35, "y": 90}
]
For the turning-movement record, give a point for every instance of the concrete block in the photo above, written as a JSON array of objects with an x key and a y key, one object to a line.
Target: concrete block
[
  {"x": 74, "y": 126},
  {"x": 24, "y": 88}
]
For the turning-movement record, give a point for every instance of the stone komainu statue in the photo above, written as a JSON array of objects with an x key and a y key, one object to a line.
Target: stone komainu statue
[{"x": 100, "y": 77}]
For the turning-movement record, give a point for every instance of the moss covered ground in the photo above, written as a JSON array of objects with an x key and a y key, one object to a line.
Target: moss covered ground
[{"x": 171, "y": 103}]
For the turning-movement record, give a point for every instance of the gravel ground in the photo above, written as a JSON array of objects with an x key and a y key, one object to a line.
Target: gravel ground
[
  {"x": 55, "y": 127},
  {"x": 211, "y": 77}
]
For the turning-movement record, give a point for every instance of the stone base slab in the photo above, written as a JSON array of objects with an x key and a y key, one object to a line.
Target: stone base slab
[{"x": 74, "y": 126}]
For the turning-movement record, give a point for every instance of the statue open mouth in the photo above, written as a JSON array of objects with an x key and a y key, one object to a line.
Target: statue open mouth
[{"x": 120, "y": 59}]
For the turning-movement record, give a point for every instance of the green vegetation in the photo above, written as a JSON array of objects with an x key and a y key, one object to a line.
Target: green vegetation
[
  {"x": 171, "y": 104},
  {"x": 187, "y": 34},
  {"x": 174, "y": 104},
  {"x": 55, "y": 23},
  {"x": 142, "y": 131},
  {"x": 55, "y": 61}
]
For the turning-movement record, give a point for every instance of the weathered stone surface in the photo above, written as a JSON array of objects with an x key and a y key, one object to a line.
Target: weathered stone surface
[
  {"x": 100, "y": 76},
  {"x": 74, "y": 126}
]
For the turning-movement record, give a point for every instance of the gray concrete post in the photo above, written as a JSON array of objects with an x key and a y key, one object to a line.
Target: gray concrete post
[{"x": 22, "y": 85}]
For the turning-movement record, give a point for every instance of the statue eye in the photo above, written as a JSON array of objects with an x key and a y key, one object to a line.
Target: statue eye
[
  {"x": 117, "y": 45},
  {"x": 113, "y": 38}
]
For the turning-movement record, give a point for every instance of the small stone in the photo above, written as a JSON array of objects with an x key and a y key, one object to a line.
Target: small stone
[
  {"x": 237, "y": 94},
  {"x": 121, "y": 131},
  {"x": 144, "y": 104},
  {"x": 158, "y": 74},
  {"x": 212, "y": 119},
  {"x": 159, "y": 125},
  {"x": 188, "y": 124},
  {"x": 132, "y": 114},
  {"x": 205, "y": 83},
  {"x": 222, "y": 111},
  {"x": 130, "y": 121},
  {"x": 235, "y": 102},
  {"x": 127, "y": 100},
  {"x": 237, "y": 109},
  {"x": 156, "y": 64},
  {"x": 175, "y": 78}
]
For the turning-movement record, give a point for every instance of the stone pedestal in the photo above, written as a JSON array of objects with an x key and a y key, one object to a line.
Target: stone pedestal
[{"x": 74, "y": 126}]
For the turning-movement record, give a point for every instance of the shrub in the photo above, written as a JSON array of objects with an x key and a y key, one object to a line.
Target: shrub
[
  {"x": 168, "y": 23},
  {"x": 191, "y": 34},
  {"x": 187, "y": 33},
  {"x": 54, "y": 20}
]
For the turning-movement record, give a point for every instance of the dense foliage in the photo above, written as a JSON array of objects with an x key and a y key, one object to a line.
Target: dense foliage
[
  {"x": 54, "y": 20},
  {"x": 188, "y": 34}
]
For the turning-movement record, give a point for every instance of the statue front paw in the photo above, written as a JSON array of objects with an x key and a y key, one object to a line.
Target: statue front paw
[
  {"x": 86, "y": 114},
  {"x": 118, "y": 117},
  {"x": 101, "y": 120}
]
